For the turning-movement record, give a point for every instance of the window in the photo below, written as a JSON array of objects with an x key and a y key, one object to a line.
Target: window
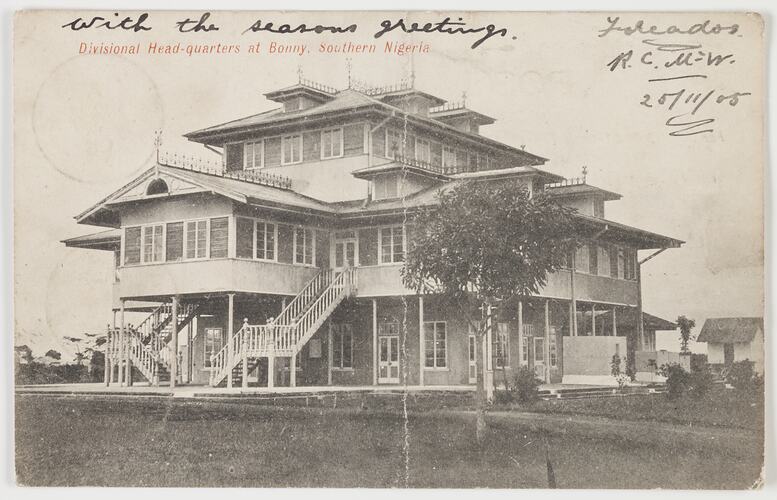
[
  {"x": 593, "y": 259},
  {"x": 304, "y": 245},
  {"x": 435, "y": 350},
  {"x": 332, "y": 143},
  {"x": 157, "y": 186},
  {"x": 581, "y": 259},
  {"x": 245, "y": 238},
  {"x": 219, "y": 237},
  {"x": 500, "y": 346},
  {"x": 613, "y": 251},
  {"x": 630, "y": 272},
  {"x": 552, "y": 347},
  {"x": 423, "y": 150},
  {"x": 353, "y": 139},
  {"x": 603, "y": 261},
  {"x": 342, "y": 346},
  {"x": 233, "y": 157},
  {"x": 448, "y": 157},
  {"x": 196, "y": 240},
  {"x": 291, "y": 149},
  {"x": 392, "y": 244},
  {"x": 385, "y": 186},
  {"x": 620, "y": 263},
  {"x": 272, "y": 152},
  {"x": 174, "y": 241},
  {"x": 394, "y": 144},
  {"x": 132, "y": 245},
  {"x": 153, "y": 243},
  {"x": 525, "y": 351},
  {"x": 214, "y": 342},
  {"x": 265, "y": 240},
  {"x": 253, "y": 153}
]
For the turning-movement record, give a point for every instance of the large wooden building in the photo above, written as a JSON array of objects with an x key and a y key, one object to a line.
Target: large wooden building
[{"x": 279, "y": 262}]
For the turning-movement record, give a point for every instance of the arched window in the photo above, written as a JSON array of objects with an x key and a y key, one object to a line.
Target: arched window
[{"x": 157, "y": 186}]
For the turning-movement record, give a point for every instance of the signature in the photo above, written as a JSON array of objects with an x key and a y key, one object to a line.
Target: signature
[
  {"x": 640, "y": 28},
  {"x": 669, "y": 55}
]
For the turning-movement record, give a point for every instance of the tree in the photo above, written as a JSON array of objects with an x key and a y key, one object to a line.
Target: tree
[
  {"x": 79, "y": 357},
  {"x": 51, "y": 353},
  {"x": 483, "y": 244},
  {"x": 686, "y": 325},
  {"x": 23, "y": 353}
]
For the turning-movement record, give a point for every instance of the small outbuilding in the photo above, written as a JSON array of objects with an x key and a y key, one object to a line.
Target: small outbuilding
[{"x": 734, "y": 339}]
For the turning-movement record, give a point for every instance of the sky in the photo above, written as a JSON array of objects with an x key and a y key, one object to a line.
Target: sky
[{"x": 84, "y": 125}]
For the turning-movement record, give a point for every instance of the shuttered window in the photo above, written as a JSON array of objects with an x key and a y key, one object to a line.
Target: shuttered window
[
  {"x": 219, "y": 237},
  {"x": 272, "y": 152},
  {"x": 392, "y": 244},
  {"x": 312, "y": 146},
  {"x": 196, "y": 239},
  {"x": 436, "y": 154},
  {"x": 252, "y": 155},
  {"x": 304, "y": 246},
  {"x": 153, "y": 243},
  {"x": 234, "y": 157},
  {"x": 291, "y": 151},
  {"x": 353, "y": 139},
  {"x": 245, "y": 238},
  {"x": 265, "y": 240},
  {"x": 174, "y": 243},
  {"x": 132, "y": 245},
  {"x": 379, "y": 142}
]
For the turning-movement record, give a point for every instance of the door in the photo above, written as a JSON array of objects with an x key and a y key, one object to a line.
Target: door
[
  {"x": 728, "y": 354},
  {"x": 388, "y": 360},
  {"x": 473, "y": 374},
  {"x": 539, "y": 357},
  {"x": 345, "y": 250}
]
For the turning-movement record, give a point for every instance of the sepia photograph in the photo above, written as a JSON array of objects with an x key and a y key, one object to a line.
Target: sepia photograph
[{"x": 389, "y": 249}]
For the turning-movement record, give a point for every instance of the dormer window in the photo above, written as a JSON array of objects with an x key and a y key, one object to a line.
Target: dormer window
[
  {"x": 293, "y": 104},
  {"x": 291, "y": 149}
]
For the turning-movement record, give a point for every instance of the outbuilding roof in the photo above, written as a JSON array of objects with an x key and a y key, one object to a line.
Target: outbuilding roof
[{"x": 729, "y": 330}]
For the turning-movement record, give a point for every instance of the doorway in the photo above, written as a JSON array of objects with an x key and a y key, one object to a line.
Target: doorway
[{"x": 388, "y": 359}]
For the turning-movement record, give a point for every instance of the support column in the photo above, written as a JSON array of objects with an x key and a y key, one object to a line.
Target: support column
[
  {"x": 293, "y": 371},
  {"x": 122, "y": 347},
  {"x": 174, "y": 342},
  {"x": 421, "y": 335},
  {"x": 230, "y": 340},
  {"x": 489, "y": 382},
  {"x": 271, "y": 371},
  {"x": 640, "y": 323},
  {"x": 244, "y": 348},
  {"x": 546, "y": 354},
  {"x": 329, "y": 353},
  {"x": 106, "y": 361},
  {"x": 593, "y": 319},
  {"x": 189, "y": 351},
  {"x": 521, "y": 340},
  {"x": 614, "y": 322},
  {"x": 374, "y": 342},
  {"x": 573, "y": 304}
]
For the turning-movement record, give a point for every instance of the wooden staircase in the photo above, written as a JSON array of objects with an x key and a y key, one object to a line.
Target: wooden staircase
[
  {"x": 285, "y": 335},
  {"x": 148, "y": 345}
]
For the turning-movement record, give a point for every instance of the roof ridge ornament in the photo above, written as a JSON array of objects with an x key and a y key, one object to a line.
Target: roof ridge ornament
[{"x": 157, "y": 146}]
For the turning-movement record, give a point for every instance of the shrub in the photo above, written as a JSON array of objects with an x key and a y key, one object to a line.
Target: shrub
[
  {"x": 700, "y": 380},
  {"x": 615, "y": 365},
  {"x": 742, "y": 376},
  {"x": 526, "y": 385},
  {"x": 677, "y": 380}
]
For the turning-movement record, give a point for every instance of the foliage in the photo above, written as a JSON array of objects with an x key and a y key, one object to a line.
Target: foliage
[
  {"x": 487, "y": 241},
  {"x": 631, "y": 365},
  {"x": 686, "y": 325},
  {"x": 677, "y": 380},
  {"x": 742, "y": 377},
  {"x": 526, "y": 385},
  {"x": 51, "y": 353},
  {"x": 23, "y": 353},
  {"x": 492, "y": 239},
  {"x": 615, "y": 365},
  {"x": 700, "y": 380}
]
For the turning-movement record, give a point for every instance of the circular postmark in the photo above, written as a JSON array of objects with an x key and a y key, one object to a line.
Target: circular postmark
[{"x": 94, "y": 118}]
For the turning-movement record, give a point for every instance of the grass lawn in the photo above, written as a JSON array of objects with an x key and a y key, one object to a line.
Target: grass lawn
[
  {"x": 167, "y": 442},
  {"x": 720, "y": 408}
]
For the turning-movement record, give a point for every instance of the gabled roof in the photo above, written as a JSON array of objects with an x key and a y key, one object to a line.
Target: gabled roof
[
  {"x": 727, "y": 330},
  {"x": 242, "y": 191},
  {"x": 644, "y": 240}
]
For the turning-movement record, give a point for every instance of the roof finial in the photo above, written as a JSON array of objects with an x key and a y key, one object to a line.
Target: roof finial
[
  {"x": 585, "y": 173},
  {"x": 464, "y": 99},
  {"x": 412, "y": 71},
  {"x": 299, "y": 73},
  {"x": 348, "y": 67},
  {"x": 157, "y": 146}
]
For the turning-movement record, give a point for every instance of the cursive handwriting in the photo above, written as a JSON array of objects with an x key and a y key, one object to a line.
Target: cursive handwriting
[
  {"x": 285, "y": 29},
  {"x": 444, "y": 26},
  {"x": 100, "y": 22},
  {"x": 703, "y": 28}
]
